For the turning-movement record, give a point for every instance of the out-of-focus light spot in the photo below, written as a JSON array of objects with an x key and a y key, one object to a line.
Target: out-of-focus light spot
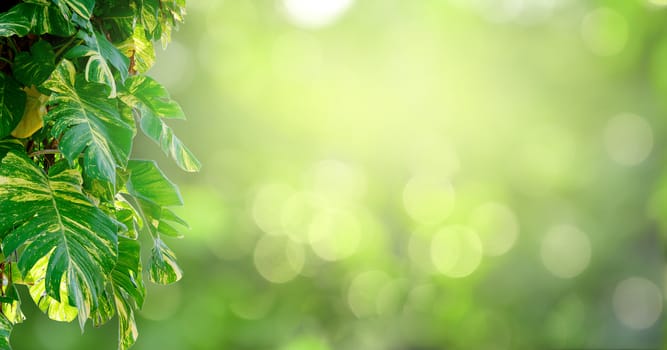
[
  {"x": 637, "y": 303},
  {"x": 334, "y": 234},
  {"x": 428, "y": 199},
  {"x": 565, "y": 251},
  {"x": 628, "y": 139},
  {"x": 659, "y": 3},
  {"x": 363, "y": 292},
  {"x": 266, "y": 206},
  {"x": 338, "y": 181},
  {"x": 174, "y": 67},
  {"x": 456, "y": 251},
  {"x": 278, "y": 259},
  {"x": 605, "y": 31},
  {"x": 315, "y": 13},
  {"x": 497, "y": 227},
  {"x": 163, "y": 303},
  {"x": 298, "y": 213}
]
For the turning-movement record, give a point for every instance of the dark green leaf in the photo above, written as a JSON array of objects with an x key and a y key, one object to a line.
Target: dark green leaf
[
  {"x": 50, "y": 216},
  {"x": 12, "y": 105},
  {"x": 35, "y": 67}
]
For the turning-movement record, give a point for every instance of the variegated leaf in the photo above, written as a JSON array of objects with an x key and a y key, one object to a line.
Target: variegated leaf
[
  {"x": 140, "y": 49},
  {"x": 5, "y": 331},
  {"x": 83, "y": 8},
  {"x": 88, "y": 122},
  {"x": 129, "y": 290},
  {"x": 153, "y": 103},
  {"x": 50, "y": 216},
  {"x": 38, "y": 18},
  {"x": 54, "y": 309},
  {"x": 153, "y": 193},
  {"x": 163, "y": 266},
  {"x": 102, "y": 55},
  {"x": 16, "y": 21}
]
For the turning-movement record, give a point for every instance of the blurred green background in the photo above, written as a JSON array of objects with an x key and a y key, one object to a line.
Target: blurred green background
[{"x": 412, "y": 175}]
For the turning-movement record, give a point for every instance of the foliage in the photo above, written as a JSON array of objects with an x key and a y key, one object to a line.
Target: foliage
[{"x": 72, "y": 96}]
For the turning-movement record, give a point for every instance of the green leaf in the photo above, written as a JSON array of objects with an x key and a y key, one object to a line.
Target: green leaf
[
  {"x": 5, "y": 331},
  {"x": 163, "y": 266},
  {"x": 9, "y": 145},
  {"x": 36, "y": 18},
  {"x": 148, "y": 183},
  {"x": 15, "y": 21},
  {"x": 153, "y": 103},
  {"x": 11, "y": 302},
  {"x": 117, "y": 18},
  {"x": 102, "y": 55},
  {"x": 35, "y": 67},
  {"x": 54, "y": 309},
  {"x": 85, "y": 120},
  {"x": 50, "y": 216},
  {"x": 153, "y": 192},
  {"x": 12, "y": 105},
  {"x": 149, "y": 17},
  {"x": 83, "y": 8},
  {"x": 129, "y": 290},
  {"x": 140, "y": 48},
  {"x": 145, "y": 91},
  {"x": 158, "y": 131}
]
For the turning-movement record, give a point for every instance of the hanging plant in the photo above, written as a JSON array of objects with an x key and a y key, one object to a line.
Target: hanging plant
[{"x": 73, "y": 96}]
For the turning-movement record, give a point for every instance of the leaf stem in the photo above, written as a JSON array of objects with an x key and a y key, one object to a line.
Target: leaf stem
[
  {"x": 43, "y": 152},
  {"x": 66, "y": 45}
]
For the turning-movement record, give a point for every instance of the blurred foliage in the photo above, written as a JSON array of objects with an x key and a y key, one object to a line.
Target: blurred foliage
[{"x": 386, "y": 174}]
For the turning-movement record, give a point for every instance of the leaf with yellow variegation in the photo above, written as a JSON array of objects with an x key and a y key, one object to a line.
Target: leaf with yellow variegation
[{"x": 33, "y": 116}]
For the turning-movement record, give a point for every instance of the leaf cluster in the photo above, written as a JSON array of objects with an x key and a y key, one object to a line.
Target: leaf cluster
[{"x": 73, "y": 96}]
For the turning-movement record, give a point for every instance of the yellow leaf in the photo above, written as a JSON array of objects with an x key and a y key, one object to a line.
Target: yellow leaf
[{"x": 33, "y": 115}]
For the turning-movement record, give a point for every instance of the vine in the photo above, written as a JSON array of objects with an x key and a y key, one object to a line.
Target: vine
[{"x": 73, "y": 96}]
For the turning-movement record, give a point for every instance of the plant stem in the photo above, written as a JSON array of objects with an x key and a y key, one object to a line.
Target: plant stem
[
  {"x": 66, "y": 45},
  {"x": 43, "y": 152}
]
